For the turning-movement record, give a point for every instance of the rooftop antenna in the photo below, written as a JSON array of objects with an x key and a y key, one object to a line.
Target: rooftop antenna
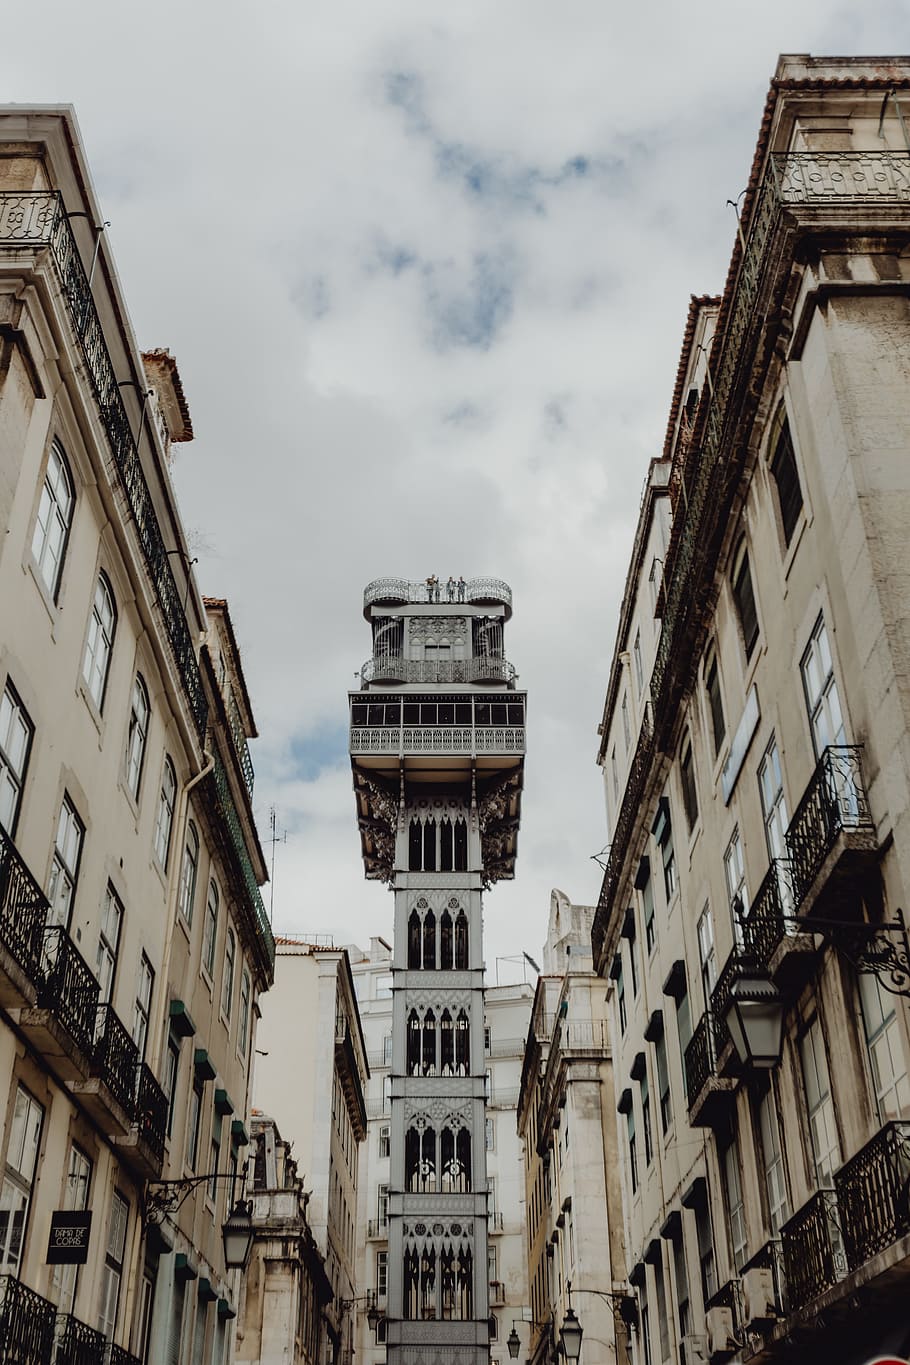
[{"x": 274, "y": 838}]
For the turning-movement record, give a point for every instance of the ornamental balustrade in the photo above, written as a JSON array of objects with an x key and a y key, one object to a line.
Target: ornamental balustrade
[
  {"x": 873, "y": 1193},
  {"x": 400, "y": 592},
  {"x": 228, "y": 812},
  {"x": 26, "y": 1324},
  {"x": 23, "y": 911},
  {"x": 68, "y": 988},
  {"x": 480, "y": 668},
  {"x": 448, "y": 740},
  {"x": 37, "y": 219},
  {"x": 115, "y": 1057},
  {"x": 770, "y": 916},
  {"x": 813, "y": 1249},
  {"x": 629, "y": 811},
  {"x": 834, "y": 803},
  {"x": 699, "y": 1058},
  {"x": 76, "y": 1342},
  {"x": 119, "y": 1355},
  {"x": 151, "y": 1111},
  {"x": 238, "y": 734}
]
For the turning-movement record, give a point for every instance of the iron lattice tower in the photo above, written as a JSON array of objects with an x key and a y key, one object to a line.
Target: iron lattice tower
[{"x": 437, "y": 751}]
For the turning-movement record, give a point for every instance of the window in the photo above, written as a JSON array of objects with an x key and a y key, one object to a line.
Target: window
[
  {"x": 662, "y": 830},
  {"x": 886, "y": 1055},
  {"x": 633, "y": 1149},
  {"x": 214, "y": 1162},
  {"x": 654, "y": 577},
  {"x": 647, "y": 905},
  {"x": 633, "y": 963},
  {"x": 735, "y": 878},
  {"x": 210, "y": 929},
  {"x": 646, "y": 1118},
  {"x": 822, "y": 700},
  {"x": 99, "y": 641},
  {"x": 193, "y": 1122},
  {"x": 784, "y": 471},
  {"x": 382, "y": 1274},
  {"x": 61, "y": 890},
  {"x": 142, "y": 1008},
  {"x": 736, "y": 1211},
  {"x": 663, "y": 1317},
  {"x": 137, "y": 734},
  {"x": 243, "y": 1027},
  {"x": 164, "y": 821},
  {"x": 663, "y": 1082},
  {"x": 636, "y": 655},
  {"x": 387, "y": 1050},
  {"x": 171, "y": 1068},
  {"x": 772, "y": 1157},
  {"x": 715, "y": 703},
  {"x": 615, "y": 774},
  {"x": 626, "y": 726},
  {"x": 706, "y": 1261},
  {"x": 385, "y": 1139},
  {"x": 188, "y": 871},
  {"x": 705, "y": 932},
  {"x": 75, "y": 1197},
  {"x": 490, "y": 1134},
  {"x": 683, "y": 1030},
  {"x": 744, "y": 597},
  {"x": 644, "y": 1317},
  {"x": 227, "y": 979},
  {"x": 773, "y": 802},
  {"x": 16, "y": 732},
  {"x": 687, "y": 778},
  {"x": 108, "y": 944},
  {"x": 382, "y": 1207},
  {"x": 820, "y": 1105},
  {"x": 621, "y": 997},
  {"x": 681, "y": 1276},
  {"x": 384, "y": 986},
  {"x": 112, "y": 1271},
  {"x": 55, "y": 515},
  {"x": 18, "y": 1179}
]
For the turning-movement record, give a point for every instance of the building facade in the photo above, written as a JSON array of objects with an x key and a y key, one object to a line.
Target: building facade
[
  {"x": 506, "y": 1016},
  {"x": 755, "y": 752},
  {"x": 133, "y": 941},
  {"x": 573, "y": 1203},
  {"x": 437, "y": 751},
  {"x": 312, "y": 1074}
]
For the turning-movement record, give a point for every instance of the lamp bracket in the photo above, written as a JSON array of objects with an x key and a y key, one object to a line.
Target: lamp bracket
[
  {"x": 880, "y": 950},
  {"x": 164, "y": 1197}
]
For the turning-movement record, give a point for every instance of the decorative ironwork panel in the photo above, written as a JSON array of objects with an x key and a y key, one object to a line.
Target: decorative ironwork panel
[
  {"x": 720, "y": 999},
  {"x": 630, "y": 808},
  {"x": 476, "y": 669},
  {"x": 228, "y": 812},
  {"x": 77, "y": 1343},
  {"x": 813, "y": 1246},
  {"x": 26, "y": 1324},
  {"x": 873, "y": 1191},
  {"x": 151, "y": 1111},
  {"x": 69, "y": 988},
  {"x": 838, "y": 177},
  {"x": 241, "y": 747},
  {"x": 835, "y": 802},
  {"x": 119, "y": 1355},
  {"x": 398, "y": 591},
  {"x": 116, "y": 1057},
  {"x": 23, "y": 910},
  {"x": 770, "y": 915},
  {"x": 480, "y": 590},
  {"x": 699, "y": 1058}
]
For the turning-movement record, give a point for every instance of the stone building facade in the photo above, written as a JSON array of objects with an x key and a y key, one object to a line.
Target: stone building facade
[
  {"x": 133, "y": 941},
  {"x": 755, "y": 751},
  {"x": 437, "y": 751}
]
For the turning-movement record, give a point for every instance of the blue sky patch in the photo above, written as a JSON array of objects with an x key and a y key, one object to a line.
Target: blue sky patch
[{"x": 323, "y": 748}]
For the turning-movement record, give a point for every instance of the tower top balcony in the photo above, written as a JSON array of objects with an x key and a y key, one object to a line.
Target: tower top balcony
[{"x": 475, "y": 592}]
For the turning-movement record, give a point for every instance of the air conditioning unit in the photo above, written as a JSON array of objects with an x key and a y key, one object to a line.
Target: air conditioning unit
[
  {"x": 694, "y": 1349},
  {"x": 719, "y": 1322},
  {"x": 759, "y": 1300}
]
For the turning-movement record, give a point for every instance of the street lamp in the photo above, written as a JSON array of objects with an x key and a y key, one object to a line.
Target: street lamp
[
  {"x": 237, "y": 1233},
  {"x": 513, "y": 1343},
  {"x": 755, "y": 1020},
  {"x": 570, "y": 1333}
]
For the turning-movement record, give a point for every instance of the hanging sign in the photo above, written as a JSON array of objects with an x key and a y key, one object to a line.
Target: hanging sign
[{"x": 68, "y": 1242}]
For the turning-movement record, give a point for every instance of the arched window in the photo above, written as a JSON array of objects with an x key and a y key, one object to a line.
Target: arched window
[
  {"x": 167, "y": 799},
  {"x": 243, "y": 1026},
  {"x": 188, "y": 873},
  {"x": 461, "y": 846},
  {"x": 446, "y": 951},
  {"x": 687, "y": 782},
  {"x": 786, "y": 477},
  {"x": 428, "y": 1284},
  {"x": 137, "y": 734},
  {"x": 463, "y": 1155},
  {"x": 429, "y": 1044},
  {"x": 414, "y": 941},
  {"x": 413, "y": 1044},
  {"x": 446, "y": 850},
  {"x": 100, "y": 640},
  {"x": 55, "y": 515},
  {"x": 415, "y": 847},
  {"x": 446, "y": 1045},
  {"x": 462, "y": 1045},
  {"x": 465, "y": 1298},
  {"x": 429, "y": 846},
  {"x": 411, "y": 1296},
  {"x": 227, "y": 979},
  {"x": 429, "y": 941},
  {"x": 210, "y": 930},
  {"x": 448, "y": 1282},
  {"x": 420, "y": 1160},
  {"x": 744, "y": 597},
  {"x": 715, "y": 700},
  {"x": 461, "y": 942}
]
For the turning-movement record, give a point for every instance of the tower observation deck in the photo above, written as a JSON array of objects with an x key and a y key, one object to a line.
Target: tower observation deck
[{"x": 437, "y": 740}]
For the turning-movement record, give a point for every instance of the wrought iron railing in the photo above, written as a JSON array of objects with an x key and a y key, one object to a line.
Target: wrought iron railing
[
  {"x": 770, "y": 916},
  {"x": 720, "y": 1000},
  {"x": 77, "y": 1343},
  {"x": 842, "y": 177},
  {"x": 23, "y": 910},
  {"x": 437, "y": 739},
  {"x": 873, "y": 1192},
  {"x": 730, "y": 1295},
  {"x": 476, "y": 669},
  {"x": 630, "y": 808},
  {"x": 69, "y": 988},
  {"x": 834, "y": 803},
  {"x": 151, "y": 1111},
  {"x": 238, "y": 734},
  {"x": 228, "y": 812},
  {"x": 116, "y": 1057},
  {"x": 699, "y": 1059},
  {"x": 26, "y": 1324},
  {"x": 771, "y": 1257},
  {"x": 813, "y": 1249},
  {"x": 119, "y": 1355},
  {"x": 378, "y": 1227},
  {"x": 399, "y": 590},
  {"x": 38, "y": 219}
]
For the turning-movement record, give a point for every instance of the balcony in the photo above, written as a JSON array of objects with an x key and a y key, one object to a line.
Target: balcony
[
  {"x": 872, "y": 1189},
  {"x": 772, "y": 936},
  {"x": 238, "y": 735},
  {"x": 709, "y": 1095},
  {"x": 497, "y": 1293},
  {"x": 448, "y": 739},
  {"x": 26, "y": 1324},
  {"x": 144, "y": 1146},
  {"x": 378, "y": 1228},
  {"x": 62, "y": 1024},
  {"x": 726, "y": 1061},
  {"x": 398, "y": 592},
  {"x": 119, "y": 1355},
  {"x": 77, "y": 1343},
  {"x": 831, "y": 835},
  {"x": 259, "y": 920},
  {"x": 23, "y": 913},
  {"x": 396, "y": 670},
  {"x": 813, "y": 1249},
  {"x": 38, "y": 220}
]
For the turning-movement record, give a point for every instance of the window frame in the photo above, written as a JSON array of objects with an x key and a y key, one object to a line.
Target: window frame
[
  {"x": 188, "y": 883},
  {"x": 688, "y": 781},
  {"x": 21, "y": 1178},
  {"x": 11, "y": 775},
  {"x": 745, "y": 602},
  {"x": 65, "y": 864},
  {"x": 228, "y": 973},
  {"x": 137, "y": 736},
  {"x": 52, "y": 584},
  {"x": 715, "y": 699},
  {"x": 99, "y": 641},
  {"x": 779, "y": 447},
  {"x": 164, "y": 815},
  {"x": 210, "y": 929},
  {"x": 112, "y": 1268}
]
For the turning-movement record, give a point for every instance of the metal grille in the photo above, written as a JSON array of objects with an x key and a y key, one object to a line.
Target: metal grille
[
  {"x": 228, "y": 812},
  {"x": 26, "y": 1325},
  {"x": 69, "y": 988},
  {"x": 116, "y": 1057},
  {"x": 151, "y": 1111},
  {"x": 699, "y": 1059},
  {"x": 23, "y": 910},
  {"x": 873, "y": 1191},
  {"x": 814, "y": 1258},
  {"x": 765, "y": 926},
  {"x": 834, "y": 802},
  {"x": 472, "y": 670},
  {"x": 77, "y": 1343}
]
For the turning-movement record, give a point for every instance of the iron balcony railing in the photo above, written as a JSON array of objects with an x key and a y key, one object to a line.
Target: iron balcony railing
[
  {"x": 437, "y": 739},
  {"x": 813, "y": 1249},
  {"x": 872, "y": 1192},
  {"x": 771, "y": 1257},
  {"x": 115, "y": 1057},
  {"x": 23, "y": 911},
  {"x": 479, "y": 668},
  {"x": 68, "y": 988},
  {"x": 398, "y": 592},
  {"x": 770, "y": 916},
  {"x": 699, "y": 1059},
  {"x": 228, "y": 812},
  {"x": 77, "y": 1343},
  {"x": 151, "y": 1111},
  {"x": 26, "y": 1324},
  {"x": 119, "y": 1355},
  {"x": 720, "y": 1000},
  {"x": 629, "y": 809},
  {"x": 238, "y": 734},
  {"x": 38, "y": 219},
  {"x": 834, "y": 803}
]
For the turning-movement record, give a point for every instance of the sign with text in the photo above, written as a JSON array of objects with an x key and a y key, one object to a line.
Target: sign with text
[{"x": 68, "y": 1242}]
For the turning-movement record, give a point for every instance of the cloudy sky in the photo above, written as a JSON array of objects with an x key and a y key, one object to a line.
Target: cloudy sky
[{"x": 425, "y": 270}]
